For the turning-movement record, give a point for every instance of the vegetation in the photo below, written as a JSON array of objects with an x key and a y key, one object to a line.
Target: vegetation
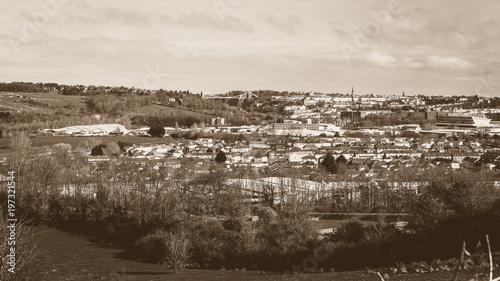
[
  {"x": 220, "y": 157},
  {"x": 157, "y": 131},
  {"x": 329, "y": 163},
  {"x": 26, "y": 255},
  {"x": 191, "y": 217}
]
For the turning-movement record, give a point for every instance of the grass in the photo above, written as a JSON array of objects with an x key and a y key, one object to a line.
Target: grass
[
  {"x": 69, "y": 256},
  {"x": 335, "y": 223},
  {"x": 76, "y": 141},
  {"x": 39, "y": 102}
]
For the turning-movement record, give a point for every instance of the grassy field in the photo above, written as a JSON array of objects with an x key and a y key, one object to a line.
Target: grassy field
[
  {"x": 77, "y": 141},
  {"x": 39, "y": 102},
  {"x": 68, "y": 256}
]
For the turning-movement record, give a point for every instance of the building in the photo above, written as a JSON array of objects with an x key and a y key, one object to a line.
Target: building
[
  {"x": 352, "y": 114},
  {"x": 218, "y": 121},
  {"x": 456, "y": 120}
]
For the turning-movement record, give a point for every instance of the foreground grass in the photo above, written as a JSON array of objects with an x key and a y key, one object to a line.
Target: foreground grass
[{"x": 69, "y": 256}]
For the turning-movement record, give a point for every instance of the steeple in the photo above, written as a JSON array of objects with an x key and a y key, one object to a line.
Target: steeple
[{"x": 352, "y": 94}]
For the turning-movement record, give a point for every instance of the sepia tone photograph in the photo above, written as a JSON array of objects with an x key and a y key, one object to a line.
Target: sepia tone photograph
[{"x": 250, "y": 140}]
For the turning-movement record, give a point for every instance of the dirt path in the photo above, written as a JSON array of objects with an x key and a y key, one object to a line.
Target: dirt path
[{"x": 68, "y": 256}]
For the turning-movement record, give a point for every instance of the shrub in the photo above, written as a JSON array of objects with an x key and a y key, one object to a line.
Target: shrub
[
  {"x": 351, "y": 231},
  {"x": 178, "y": 250},
  {"x": 26, "y": 253},
  {"x": 157, "y": 131},
  {"x": 151, "y": 247},
  {"x": 98, "y": 150},
  {"x": 232, "y": 225}
]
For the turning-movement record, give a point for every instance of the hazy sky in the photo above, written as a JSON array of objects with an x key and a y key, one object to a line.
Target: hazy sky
[{"x": 378, "y": 46}]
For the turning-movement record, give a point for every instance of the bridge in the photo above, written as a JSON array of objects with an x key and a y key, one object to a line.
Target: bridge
[{"x": 247, "y": 95}]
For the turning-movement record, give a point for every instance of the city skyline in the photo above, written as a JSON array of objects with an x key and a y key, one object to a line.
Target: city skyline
[{"x": 382, "y": 47}]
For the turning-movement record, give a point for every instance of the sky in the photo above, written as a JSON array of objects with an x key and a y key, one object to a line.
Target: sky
[{"x": 446, "y": 47}]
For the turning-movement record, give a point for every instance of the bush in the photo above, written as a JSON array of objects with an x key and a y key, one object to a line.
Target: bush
[
  {"x": 178, "y": 250},
  {"x": 232, "y": 225},
  {"x": 157, "y": 131},
  {"x": 98, "y": 150},
  {"x": 351, "y": 231},
  {"x": 27, "y": 253},
  {"x": 151, "y": 248}
]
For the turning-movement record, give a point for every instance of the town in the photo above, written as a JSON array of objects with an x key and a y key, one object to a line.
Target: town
[
  {"x": 373, "y": 133},
  {"x": 249, "y": 162}
]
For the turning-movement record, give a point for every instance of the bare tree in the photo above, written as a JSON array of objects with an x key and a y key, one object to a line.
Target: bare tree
[
  {"x": 178, "y": 251},
  {"x": 26, "y": 250}
]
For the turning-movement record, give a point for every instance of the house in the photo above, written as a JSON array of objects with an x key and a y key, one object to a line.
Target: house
[
  {"x": 297, "y": 156},
  {"x": 240, "y": 148},
  {"x": 310, "y": 159}
]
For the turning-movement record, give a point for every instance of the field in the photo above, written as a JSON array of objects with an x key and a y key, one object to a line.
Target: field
[
  {"x": 39, "y": 102},
  {"x": 69, "y": 256},
  {"x": 49, "y": 103},
  {"x": 77, "y": 141}
]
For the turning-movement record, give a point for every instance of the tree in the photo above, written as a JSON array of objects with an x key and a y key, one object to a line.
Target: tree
[
  {"x": 221, "y": 157},
  {"x": 157, "y": 131},
  {"x": 178, "y": 250},
  {"x": 112, "y": 149},
  {"x": 329, "y": 163},
  {"x": 22, "y": 156},
  {"x": 98, "y": 150},
  {"x": 341, "y": 160}
]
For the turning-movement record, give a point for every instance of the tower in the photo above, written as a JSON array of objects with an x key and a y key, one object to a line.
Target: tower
[{"x": 352, "y": 95}]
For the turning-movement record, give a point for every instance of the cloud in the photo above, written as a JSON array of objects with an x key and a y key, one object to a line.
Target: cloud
[
  {"x": 200, "y": 19},
  {"x": 381, "y": 59},
  {"x": 448, "y": 62},
  {"x": 284, "y": 22},
  {"x": 412, "y": 63},
  {"x": 190, "y": 18}
]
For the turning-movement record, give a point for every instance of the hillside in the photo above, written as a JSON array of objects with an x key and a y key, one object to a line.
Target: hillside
[
  {"x": 34, "y": 111},
  {"x": 43, "y": 103}
]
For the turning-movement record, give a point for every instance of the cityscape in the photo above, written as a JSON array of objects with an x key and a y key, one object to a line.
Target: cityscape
[{"x": 250, "y": 140}]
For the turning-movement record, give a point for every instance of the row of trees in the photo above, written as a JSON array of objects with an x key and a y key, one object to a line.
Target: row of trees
[
  {"x": 117, "y": 104},
  {"x": 27, "y": 87}
]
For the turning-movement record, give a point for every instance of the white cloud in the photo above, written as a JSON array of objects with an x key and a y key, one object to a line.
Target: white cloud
[
  {"x": 412, "y": 63},
  {"x": 448, "y": 62},
  {"x": 381, "y": 59},
  {"x": 285, "y": 22}
]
